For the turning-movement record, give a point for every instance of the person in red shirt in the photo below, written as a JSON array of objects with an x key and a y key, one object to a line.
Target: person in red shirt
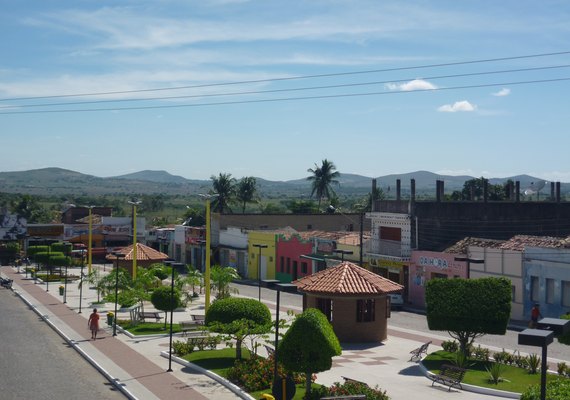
[
  {"x": 93, "y": 323},
  {"x": 535, "y": 315}
]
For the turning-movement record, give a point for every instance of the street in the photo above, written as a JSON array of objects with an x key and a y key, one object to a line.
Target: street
[{"x": 36, "y": 363}]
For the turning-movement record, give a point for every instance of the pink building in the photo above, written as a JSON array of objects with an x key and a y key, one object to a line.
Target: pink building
[
  {"x": 426, "y": 265},
  {"x": 289, "y": 264}
]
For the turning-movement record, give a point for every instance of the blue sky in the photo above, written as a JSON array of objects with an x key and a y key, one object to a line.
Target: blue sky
[{"x": 491, "y": 124}]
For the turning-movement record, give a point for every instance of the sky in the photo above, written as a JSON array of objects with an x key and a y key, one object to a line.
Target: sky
[{"x": 270, "y": 88}]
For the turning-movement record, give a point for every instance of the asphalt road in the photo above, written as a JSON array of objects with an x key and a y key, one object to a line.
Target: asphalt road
[{"x": 36, "y": 363}]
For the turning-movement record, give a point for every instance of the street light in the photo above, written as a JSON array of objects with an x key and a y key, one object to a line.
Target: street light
[
  {"x": 259, "y": 246},
  {"x": 118, "y": 256},
  {"x": 48, "y": 268},
  {"x": 207, "y": 197},
  {"x": 469, "y": 260},
  {"x": 288, "y": 288},
  {"x": 342, "y": 253},
  {"x": 171, "y": 314},
  {"x": 134, "y": 203},
  {"x": 81, "y": 278},
  {"x": 65, "y": 244}
]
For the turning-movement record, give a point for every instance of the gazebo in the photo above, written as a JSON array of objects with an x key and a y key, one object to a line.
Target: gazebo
[
  {"x": 146, "y": 256},
  {"x": 354, "y": 300}
]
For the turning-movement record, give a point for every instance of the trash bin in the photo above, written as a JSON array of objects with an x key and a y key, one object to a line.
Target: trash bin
[
  {"x": 110, "y": 317},
  {"x": 61, "y": 289}
]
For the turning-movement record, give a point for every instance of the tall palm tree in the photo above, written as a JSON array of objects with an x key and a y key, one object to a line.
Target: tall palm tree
[
  {"x": 246, "y": 191},
  {"x": 224, "y": 186},
  {"x": 322, "y": 179}
]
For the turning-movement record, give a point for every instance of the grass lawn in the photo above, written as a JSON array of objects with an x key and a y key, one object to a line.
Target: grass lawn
[
  {"x": 219, "y": 361},
  {"x": 148, "y": 328},
  {"x": 515, "y": 379}
]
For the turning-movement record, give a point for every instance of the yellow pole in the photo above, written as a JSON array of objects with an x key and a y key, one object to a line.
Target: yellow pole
[
  {"x": 90, "y": 240},
  {"x": 134, "y": 241},
  {"x": 207, "y": 271}
]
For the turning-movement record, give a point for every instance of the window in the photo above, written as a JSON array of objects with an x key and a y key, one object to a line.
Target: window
[
  {"x": 288, "y": 265},
  {"x": 303, "y": 267},
  {"x": 534, "y": 289},
  {"x": 325, "y": 305},
  {"x": 295, "y": 270},
  {"x": 282, "y": 267},
  {"x": 550, "y": 291},
  {"x": 435, "y": 275},
  {"x": 365, "y": 310},
  {"x": 566, "y": 293}
]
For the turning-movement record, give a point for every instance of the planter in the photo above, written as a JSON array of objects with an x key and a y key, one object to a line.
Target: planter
[
  {"x": 109, "y": 320},
  {"x": 61, "y": 289}
]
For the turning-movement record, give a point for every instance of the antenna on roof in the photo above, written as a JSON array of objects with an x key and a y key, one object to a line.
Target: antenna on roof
[{"x": 533, "y": 188}]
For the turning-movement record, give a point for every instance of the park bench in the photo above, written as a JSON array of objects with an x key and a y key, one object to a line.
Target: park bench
[
  {"x": 449, "y": 375},
  {"x": 187, "y": 326},
  {"x": 201, "y": 342},
  {"x": 150, "y": 314},
  {"x": 417, "y": 353},
  {"x": 198, "y": 319}
]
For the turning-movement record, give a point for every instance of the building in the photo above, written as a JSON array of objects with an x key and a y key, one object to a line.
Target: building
[{"x": 233, "y": 249}]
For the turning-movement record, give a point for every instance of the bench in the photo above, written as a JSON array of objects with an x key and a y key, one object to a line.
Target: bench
[
  {"x": 201, "y": 342},
  {"x": 187, "y": 326},
  {"x": 449, "y": 375},
  {"x": 417, "y": 353},
  {"x": 150, "y": 314},
  {"x": 198, "y": 319}
]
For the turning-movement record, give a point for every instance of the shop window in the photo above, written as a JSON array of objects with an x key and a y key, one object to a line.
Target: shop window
[
  {"x": 365, "y": 310},
  {"x": 534, "y": 289},
  {"x": 550, "y": 291},
  {"x": 435, "y": 275}
]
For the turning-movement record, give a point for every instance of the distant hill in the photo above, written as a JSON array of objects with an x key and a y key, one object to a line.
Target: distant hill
[{"x": 58, "y": 181}]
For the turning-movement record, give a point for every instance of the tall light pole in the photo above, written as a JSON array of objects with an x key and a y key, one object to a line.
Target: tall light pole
[
  {"x": 90, "y": 240},
  {"x": 207, "y": 197},
  {"x": 259, "y": 246},
  {"x": 48, "y": 268},
  {"x": 117, "y": 256},
  {"x": 171, "y": 317},
  {"x": 134, "y": 227},
  {"x": 65, "y": 244},
  {"x": 81, "y": 277}
]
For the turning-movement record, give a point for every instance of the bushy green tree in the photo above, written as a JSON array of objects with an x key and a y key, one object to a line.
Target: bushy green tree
[
  {"x": 468, "y": 308},
  {"x": 238, "y": 318},
  {"x": 162, "y": 299},
  {"x": 309, "y": 345}
]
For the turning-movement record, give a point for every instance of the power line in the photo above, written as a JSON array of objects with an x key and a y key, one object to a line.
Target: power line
[
  {"x": 286, "y": 90},
  {"x": 319, "y": 97},
  {"x": 294, "y": 77}
]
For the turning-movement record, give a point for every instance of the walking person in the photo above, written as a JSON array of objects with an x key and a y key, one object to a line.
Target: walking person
[
  {"x": 535, "y": 315},
  {"x": 93, "y": 323}
]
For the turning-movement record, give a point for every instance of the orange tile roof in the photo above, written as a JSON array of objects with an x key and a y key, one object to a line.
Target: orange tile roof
[
  {"x": 349, "y": 279},
  {"x": 519, "y": 242},
  {"x": 461, "y": 246},
  {"x": 343, "y": 237},
  {"x": 144, "y": 253}
]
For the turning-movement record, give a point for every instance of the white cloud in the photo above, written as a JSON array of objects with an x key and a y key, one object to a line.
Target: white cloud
[
  {"x": 503, "y": 92},
  {"x": 416, "y": 84},
  {"x": 463, "y": 105}
]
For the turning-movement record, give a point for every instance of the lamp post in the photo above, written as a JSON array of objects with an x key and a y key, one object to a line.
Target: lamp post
[
  {"x": 208, "y": 198},
  {"x": 171, "y": 317},
  {"x": 117, "y": 256},
  {"x": 469, "y": 260},
  {"x": 288, "y": 288},
  {"x": 134, "y": 203},
  {"x": 542, "y": 336},
  {"x": 259, "y": 246},
  {"x": 81, "y": 278},
  {"x": 48, "y": 268},
  {"x": 342, "y": 253},
  {"x": 65, "y": 244}
]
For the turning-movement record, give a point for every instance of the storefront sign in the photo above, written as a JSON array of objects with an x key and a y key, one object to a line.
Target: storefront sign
[{"x": 433, "y": 262}]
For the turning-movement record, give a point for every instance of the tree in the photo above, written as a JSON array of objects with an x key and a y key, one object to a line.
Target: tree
[
  {"x": 468, "y": 308},
  {"x": 221, "y": 278},
  {"x": 301, "y": 206},
  {"x": 224, "y": 187},
  {"x": 322, "y": 179},
  {"x": 238, "y": 318},
  {"x": 195, "y": 217},
  {"x": 246, "y": 191},
  {"x": 309, "y": 345},
  {"x": 473, "y": 189},
  {"x": 162, "y": 300}
]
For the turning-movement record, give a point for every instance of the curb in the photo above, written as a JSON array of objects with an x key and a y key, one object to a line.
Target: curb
[
  {"x": 74, "y": 345},
  {"x": 234, "y": 388}
]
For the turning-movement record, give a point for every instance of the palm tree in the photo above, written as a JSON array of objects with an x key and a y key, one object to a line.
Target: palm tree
[
  {"x": 246, "y": 191},
  {"x": 221, "y": 278},
  {"x": 224, "y": 187},
  {"x": 322, "y": 179}
]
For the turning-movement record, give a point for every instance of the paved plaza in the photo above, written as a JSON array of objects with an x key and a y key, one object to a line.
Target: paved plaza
[{"x": 137, "y": 365}]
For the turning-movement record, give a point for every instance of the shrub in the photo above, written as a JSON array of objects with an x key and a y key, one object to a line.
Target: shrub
[
  {"x": 257, "y": 373},
  {"x": 533, "y": 363},
  {"x": 350, "y": 388},
  {"x": 451, "y": 346},
  {"x": 500, "y": 356},
  {"x": 182, "y": 348},
  {"x": 561, "y": 367},
  {"x": 481, "y": 353},
  {"x": 495, "y": 371},
  {"x": 557, "y": 390}
]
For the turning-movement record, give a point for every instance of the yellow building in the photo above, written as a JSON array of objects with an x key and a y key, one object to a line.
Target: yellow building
[{"x": 261, "y": 253}]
